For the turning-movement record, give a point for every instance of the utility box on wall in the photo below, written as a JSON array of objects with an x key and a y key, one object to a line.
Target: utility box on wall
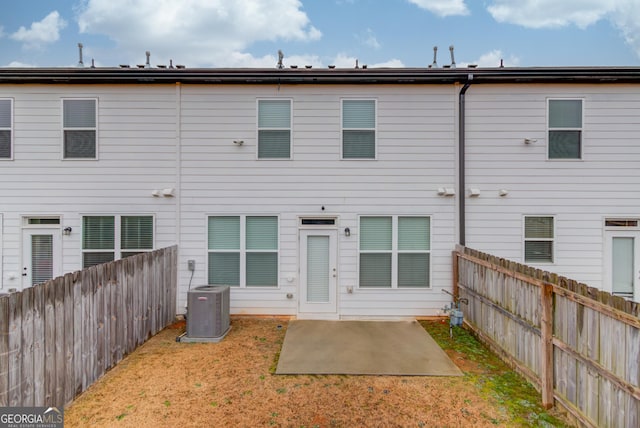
[{"x": 207, "y": 314}]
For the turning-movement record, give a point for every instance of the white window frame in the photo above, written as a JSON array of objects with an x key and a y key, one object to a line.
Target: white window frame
[
  {"x": 258, "y": 129},
  {"x": 95, "y": 129},
  {"x": 117, "y": 223},
  {"x": 581, "y": 129},
  {"x": 374, "y": 129},
  {"x": 552, "y": 240},
  {"x": 243, "y": 250},
  {"x": 10, "y": 128},
  {"x": 395, "y": 252}
]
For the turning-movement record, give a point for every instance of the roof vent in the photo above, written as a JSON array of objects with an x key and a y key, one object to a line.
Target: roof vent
[
  {"x": 280, "y": 58},
  {"x": 435, "y": 56},
  {"x": 93, "y": 63},
  {"x": 80, "y": 63},
  {"x": 170, "y": 63},
  {"x": 180, "y": 66},
  {"x": 161, "y": 66},
  {"x": 357, "y": 66},
  {"x": 148, "y": 63},
  {"x": 125, "y": 66},
  {"x": 332, "y": 66},
  {"x": 453, "y": 60},
  {"x": 293, "y": 66},
  {"x": 308, "y": 66}
]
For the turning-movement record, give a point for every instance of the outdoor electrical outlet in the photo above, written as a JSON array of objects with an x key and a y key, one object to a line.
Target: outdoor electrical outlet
[{"x": 191, "y": 265}]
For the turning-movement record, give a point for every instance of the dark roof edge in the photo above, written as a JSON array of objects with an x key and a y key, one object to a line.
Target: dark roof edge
[{"x": 320, "y": 76}]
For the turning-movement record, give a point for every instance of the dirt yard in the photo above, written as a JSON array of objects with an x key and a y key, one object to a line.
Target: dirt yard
[{"x": 231, "y": 383}]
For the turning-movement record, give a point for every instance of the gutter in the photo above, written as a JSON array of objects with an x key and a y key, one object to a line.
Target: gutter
[{"x": 461, "y": 160}]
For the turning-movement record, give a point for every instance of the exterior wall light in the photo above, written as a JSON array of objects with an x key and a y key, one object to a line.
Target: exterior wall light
[{"x": 347, "y": 231}]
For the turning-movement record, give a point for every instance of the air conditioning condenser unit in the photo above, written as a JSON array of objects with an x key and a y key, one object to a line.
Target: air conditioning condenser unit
[{"x": 207, "y": 314}]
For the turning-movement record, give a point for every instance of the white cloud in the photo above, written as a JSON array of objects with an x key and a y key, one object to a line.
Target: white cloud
[
  {"x": 345, "y": 61},
  {"x": 443, "y": 7},
  {"x": 623, "y": 15},
  {"x": 492, "y": 59},
  {"x": 197, "y": 32},
  {"x": 17, "y": 64},
  {"x": 550, "y": 13},
  {"x": 369, "y": 39},
  {"x": 42, "y": 32}
]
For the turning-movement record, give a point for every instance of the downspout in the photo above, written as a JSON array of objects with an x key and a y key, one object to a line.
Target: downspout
[{"x": 461, "y": 159}]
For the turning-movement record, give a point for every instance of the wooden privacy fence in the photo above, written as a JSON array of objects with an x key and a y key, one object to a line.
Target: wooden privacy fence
[
  {"x": 578, "y": 345},
  {"x": 59, "y": 337}
]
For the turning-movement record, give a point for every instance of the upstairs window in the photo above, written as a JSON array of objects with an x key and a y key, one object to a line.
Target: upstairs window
[
  {"x": 274, "y": 129},
  {"x": 395, "y": 252},
  {"x": 6, "y": 128},
  {"x": 79, "y": 128},
  {"x": 565, "y": 129},
  {"x": 538, "y": 239},
  {"x": 108, "y": 238},
  {"x": 358, "y": 129}
]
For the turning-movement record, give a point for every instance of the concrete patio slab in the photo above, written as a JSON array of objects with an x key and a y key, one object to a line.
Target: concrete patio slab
[{"x": 401, "y": 348}]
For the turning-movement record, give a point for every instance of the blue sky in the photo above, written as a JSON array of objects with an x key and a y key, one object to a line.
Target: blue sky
[{"x": 391, "y": 33}]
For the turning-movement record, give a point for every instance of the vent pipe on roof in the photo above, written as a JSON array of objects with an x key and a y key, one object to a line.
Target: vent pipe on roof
[
  {"x": 435, "y": 56},
  {"x": 80, "y": 63},
  {"x": 280, "y": 58},
  {"x": 453, "y": 61},
  {"x": 148, "y": 63},
  {"x": 170, "y": 63}
]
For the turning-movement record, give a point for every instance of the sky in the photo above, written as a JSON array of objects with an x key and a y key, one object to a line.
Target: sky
[{"x": 376, "y": 33}]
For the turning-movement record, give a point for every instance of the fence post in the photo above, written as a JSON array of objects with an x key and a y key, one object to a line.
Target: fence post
[{"x": 546, "y": 345}]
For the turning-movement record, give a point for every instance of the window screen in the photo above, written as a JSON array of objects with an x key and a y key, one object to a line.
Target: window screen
[
  {"x": 395, "y": 244},
  {"x": 358, "y": 129},
  {"x": 79, "y": 129},
  {"x": 565, "y": 129},
  {"x": 243, "y": 251},
  {"x": 274, "y": 129},
  {"x": 538, "y": 239},
  {"x": 108, "y": 238},
  {"x": 6, "y": 123}
]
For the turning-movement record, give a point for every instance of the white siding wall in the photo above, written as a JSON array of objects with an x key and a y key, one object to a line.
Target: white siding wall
[
  {"x": 416, "y": 155},
  {"x": 579, "y": 193},
  {"x": 137, "y": 153}
]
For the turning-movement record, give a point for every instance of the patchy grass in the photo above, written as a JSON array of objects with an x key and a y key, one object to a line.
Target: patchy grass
[{"x": 493, "y": 378}]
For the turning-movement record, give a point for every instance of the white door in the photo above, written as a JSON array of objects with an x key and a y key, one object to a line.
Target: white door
[
  {"x": 622, "y": 264},
  {"x": 318, "y": 273},
  {"x": 41, "y": 255}
]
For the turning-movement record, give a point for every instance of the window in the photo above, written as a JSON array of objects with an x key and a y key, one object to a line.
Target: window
[
  {"x": 538, "y": 239},
  {"x": 395, "y": 252},
  {"x": 79, "y": 129},
  {"x": 565, "y": 129},
  {"x": 358, "y": 129},
  {"x": 6, "y": 125},
  {"x": 243, "y": 251},
  {"x": 274, "y": 129},
  {"x": 108, "y": 238}
]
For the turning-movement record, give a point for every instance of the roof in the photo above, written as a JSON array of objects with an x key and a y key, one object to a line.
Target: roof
[{"x": 124, "y": 75}]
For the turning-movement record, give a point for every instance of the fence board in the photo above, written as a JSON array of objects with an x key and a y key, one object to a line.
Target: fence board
[
  {"x": 69, "y": 372},
  {"x": 4, "y": 351},
  {"x": 39, "y": 392},
  {"x": 15, "y": 345},
  {"x": 27, "y": 347}
]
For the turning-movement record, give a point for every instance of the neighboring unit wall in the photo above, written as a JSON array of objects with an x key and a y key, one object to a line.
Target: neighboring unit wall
[
  {"x": 137, "y": 153},
  {"x": 415, "y": 156},
  {"x": 580, "y": 194}
]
